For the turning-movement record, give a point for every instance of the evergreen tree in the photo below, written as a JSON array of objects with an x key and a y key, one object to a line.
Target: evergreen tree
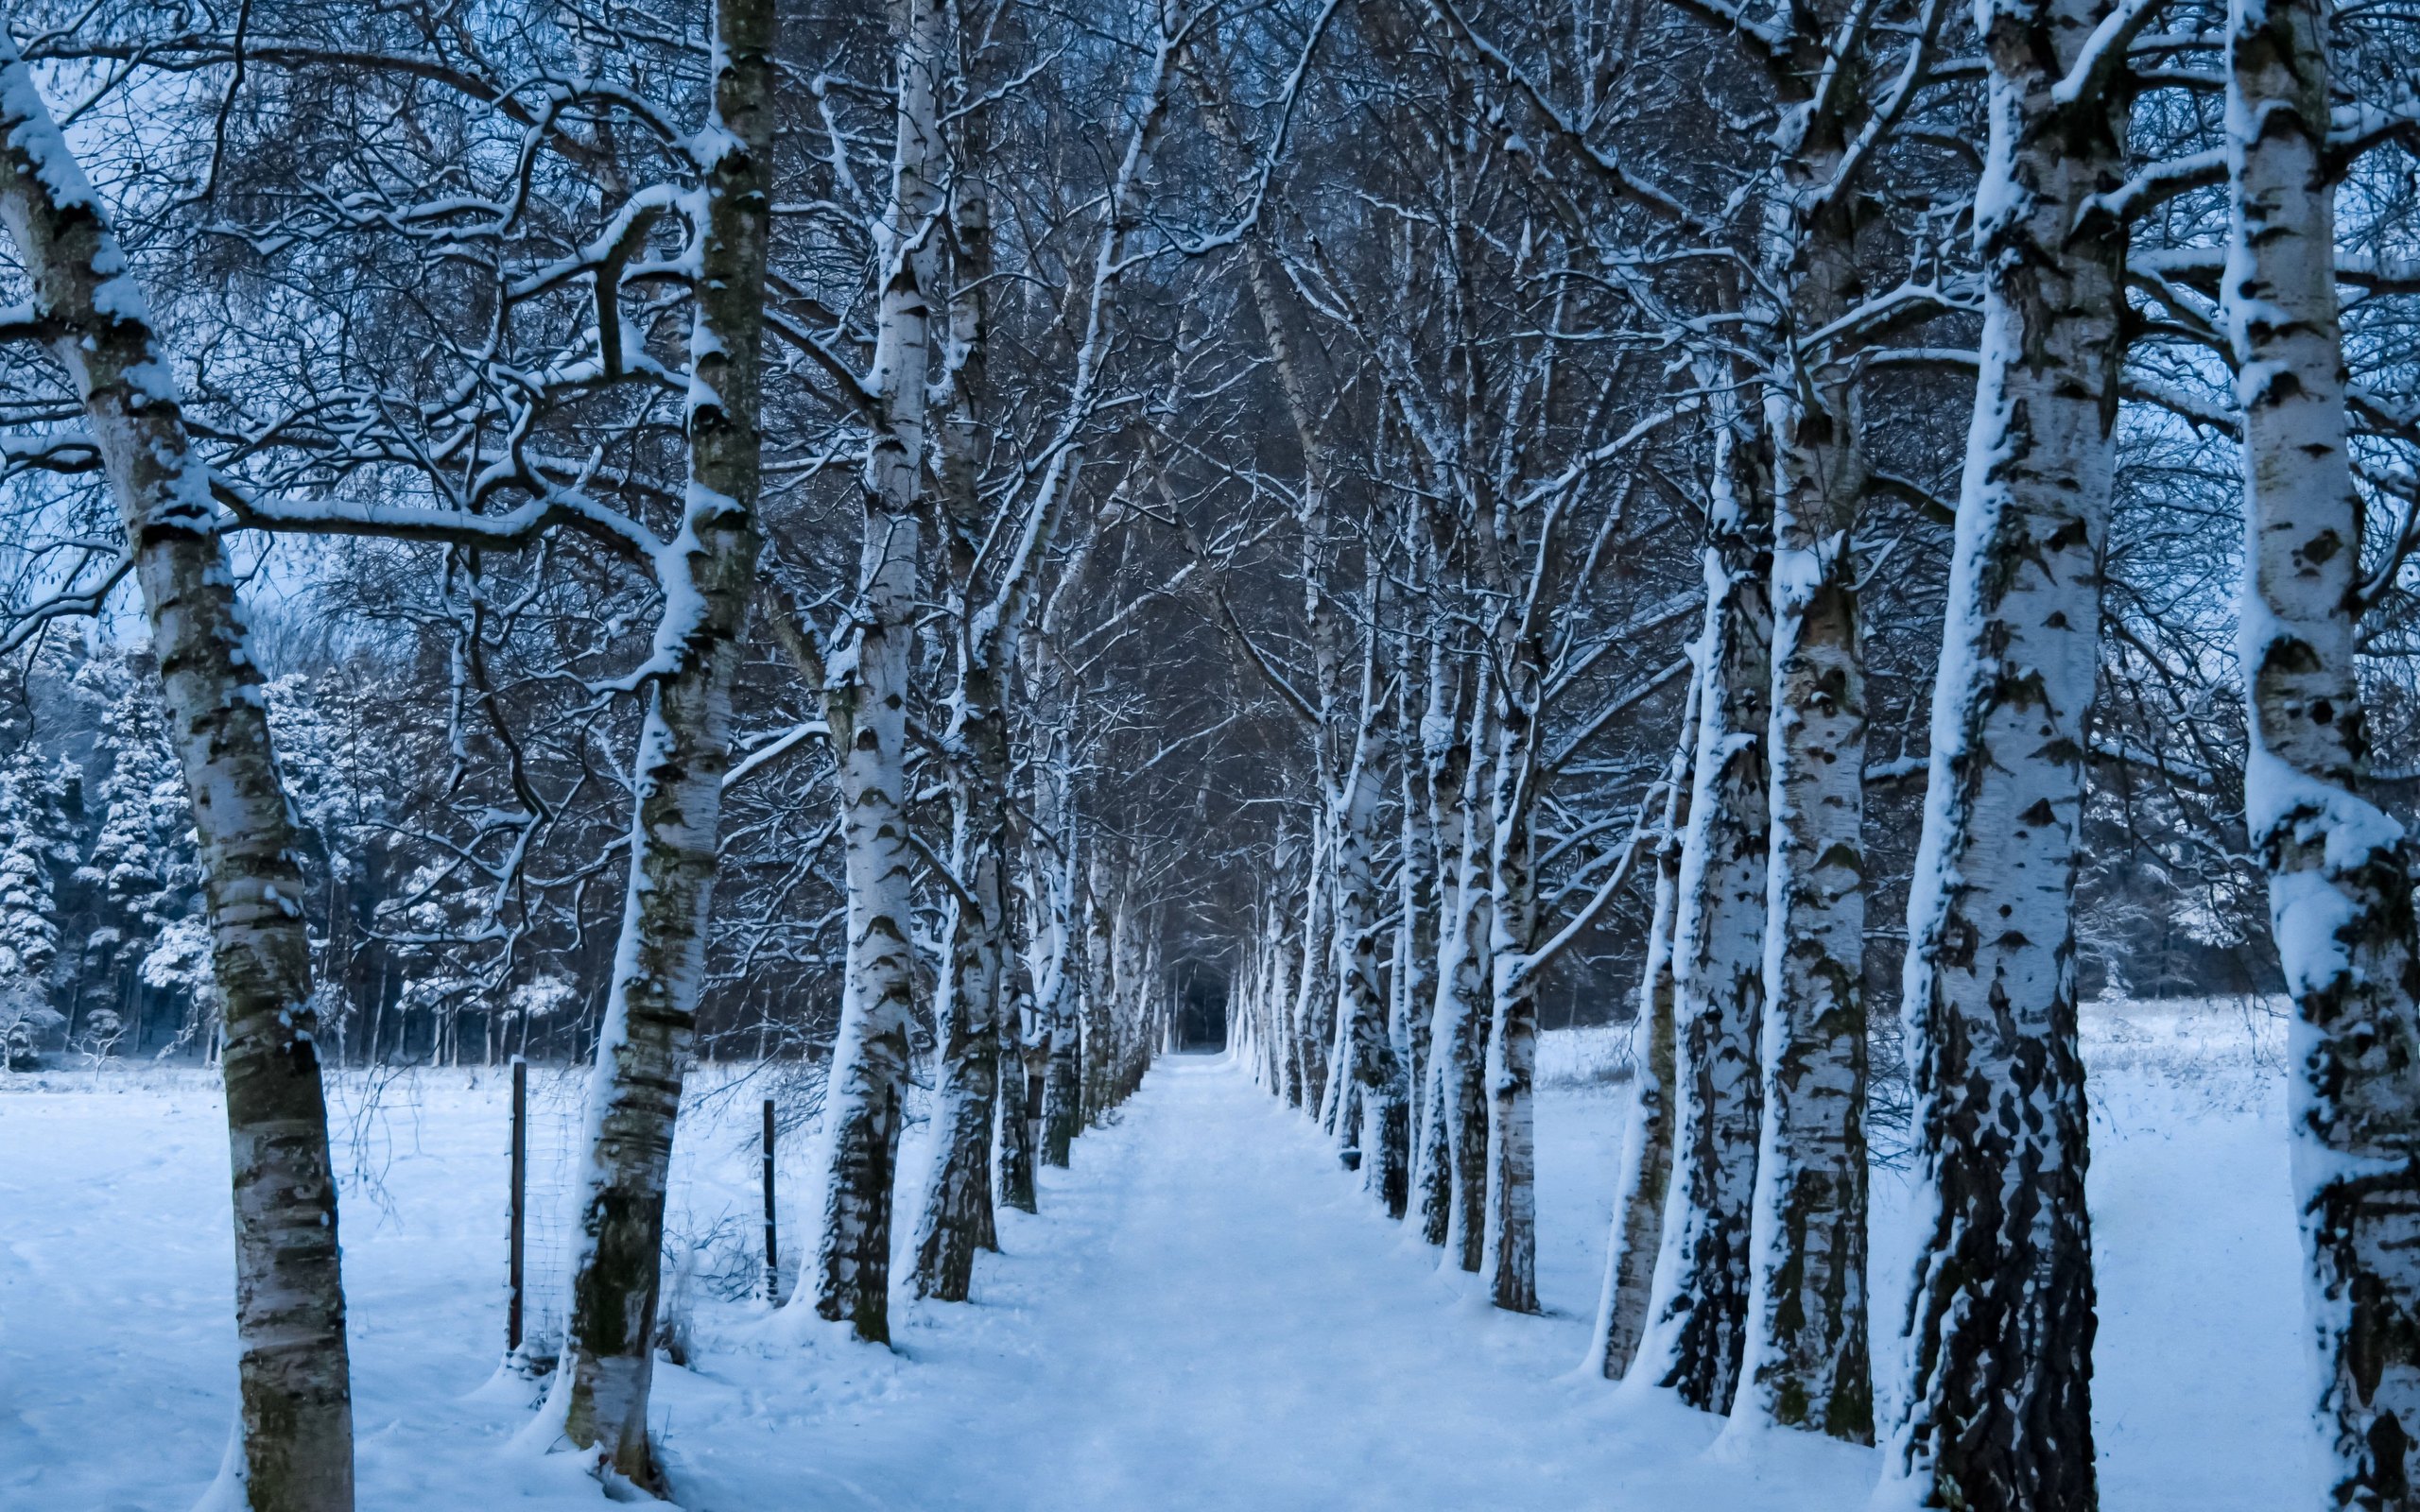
[{"x": 29, "y": 927}]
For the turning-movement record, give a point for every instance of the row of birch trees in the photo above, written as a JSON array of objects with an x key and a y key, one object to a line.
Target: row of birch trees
[
  {"x": 668, "y": 342},
  {"x": 2156, "y": 253}
]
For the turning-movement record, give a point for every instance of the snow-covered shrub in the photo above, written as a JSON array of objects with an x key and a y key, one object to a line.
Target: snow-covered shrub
[{"x": 25, "y": 1017}]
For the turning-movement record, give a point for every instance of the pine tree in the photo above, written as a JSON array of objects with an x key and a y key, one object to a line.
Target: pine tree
[
  {"x": 29, "y": 927},
  {"x": 142, "y": 869}
]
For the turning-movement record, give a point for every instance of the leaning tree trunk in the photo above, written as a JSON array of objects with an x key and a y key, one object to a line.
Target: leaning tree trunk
[
  {"x": 1805, "y": 1361},
  {"x": 866, "y": 708},
  {"x": 1645, "y": 1175},
  {"x": 1997, "y": 1401},
  {"x": 2340, "y": 890},
  {"x": 684, "y": 748},
  {"x": 295, "y": 1424},
  {"x": 1698, "y": 1313}
]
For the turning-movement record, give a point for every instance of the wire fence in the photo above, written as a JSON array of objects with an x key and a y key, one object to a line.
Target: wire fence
[
  {"x": 714, "y": 1231},
  {"x": 551, "y": 1195}
]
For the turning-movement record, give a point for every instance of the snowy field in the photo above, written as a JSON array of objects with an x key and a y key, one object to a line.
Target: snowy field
[{"x": 1207, "y": 1314}]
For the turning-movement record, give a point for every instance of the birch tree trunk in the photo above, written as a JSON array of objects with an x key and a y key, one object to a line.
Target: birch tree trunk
[
  {"x": 1805, "y": 1361},
  {"x": 684, "y": 748},
  {"x": 1315, "y": 981},
  {"x": 1512, "y": 1267},
  {"x": 1362, "y": 1001},
  {"x": 2340, "y": 890},
  {"x": 1099, "y": 996},
  {"x": 957, "y": 1219},
  {"x": 1063, "y": 1083},
  {"x": 1415, "y": 980},
  {"x": 992, "y": 589},
  {"x": 1698, "y": 1313},
  {"x": 1997, "y": 1404},
  {"x": 866, "y": 707},
  {"x": 1284, "y": 1051},
  {"x": 1019, "y": 1066},
  {"x": 294, "y": 1452},
  {"x": 1646, "y": 1174},
  {"x": 1055, "y": 963},
  {"x": 1465, "y": 1016},
  {"x": 1433, "y": 1167}
]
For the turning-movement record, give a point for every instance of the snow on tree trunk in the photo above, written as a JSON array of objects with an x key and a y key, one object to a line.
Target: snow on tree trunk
[
  {"x": 708, "y": 573},
  {"x": 1432, "y": 1176},
  {"x": 957, "y": 1219},
  {"x": 1457, "y": 1043},
  {"x": 1512, "y": 1249},
  {"x": 1996, "y": 1405},
  {"x": 1063, "y": 1086},
  {"x": 1052, "y": 965},
  {"x": 988, "y": 619},
  {"x": 1019, "y": 1149},
  {"x": 1279, "y": 1012},
  {"x": 1315, "y": 979},
  {"x": 1646, "y": 1174},
  {"x": 2340, "y": 891},
  {"x": 1415, "y": 967},
  {"x": 295, "y": 1425},
  {"x": 1374, "y": 1068},
  {"x": 866, "y": 708},
  {"x": 1699, "y": 1311},
  {"x": 1805, "y": 1361},
  {"x": 1099, "y": 996}
]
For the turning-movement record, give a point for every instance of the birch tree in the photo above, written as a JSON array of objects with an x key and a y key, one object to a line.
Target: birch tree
[
  {"x": 2340, "y": 891},
  {"x": 708, "y": 571},
  {"x": 1697, "y": 1329},
  {"x": 293, "y": 1449},
  {"x": 2000, "y": 1323},
  {"x": 864, "y": 676}
]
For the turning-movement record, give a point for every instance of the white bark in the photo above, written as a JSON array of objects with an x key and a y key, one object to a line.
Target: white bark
[
  {"x": 1510, "y": 1264},
  {"x": 1699, "y": 1311},
  {"x": 2339, "y": 893},
  {"x": 1806, "y": 1360},
  {"x": 708, "y": 573},
  {"x": 1371, "y": 1063},
  {"x": 294, "y": 1448},
  {"x": 1455, "y": 1151},
  {"x": 866, "y": 706},
  {"x": 1645, "y": 1175},
  {"x": 1996, "y": 1405}
]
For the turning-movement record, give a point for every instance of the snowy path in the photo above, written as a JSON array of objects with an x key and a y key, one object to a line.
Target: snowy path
[
  {"x": 1210, "y": 1314},
  {"x": 1207, "y": 1314}
]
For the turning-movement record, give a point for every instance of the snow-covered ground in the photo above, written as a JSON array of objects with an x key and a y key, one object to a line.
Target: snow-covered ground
[{"x": 1207, "y": 1314}]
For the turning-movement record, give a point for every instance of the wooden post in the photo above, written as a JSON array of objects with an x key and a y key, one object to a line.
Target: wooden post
[
  {"x": 772, "y": 1247},
  {"x": 519, "y": 1182}
]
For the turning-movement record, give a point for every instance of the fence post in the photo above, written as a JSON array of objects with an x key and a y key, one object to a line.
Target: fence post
[
  {"x": 772, "y": 1247},
  {"x": 520, "y": 1183}
]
